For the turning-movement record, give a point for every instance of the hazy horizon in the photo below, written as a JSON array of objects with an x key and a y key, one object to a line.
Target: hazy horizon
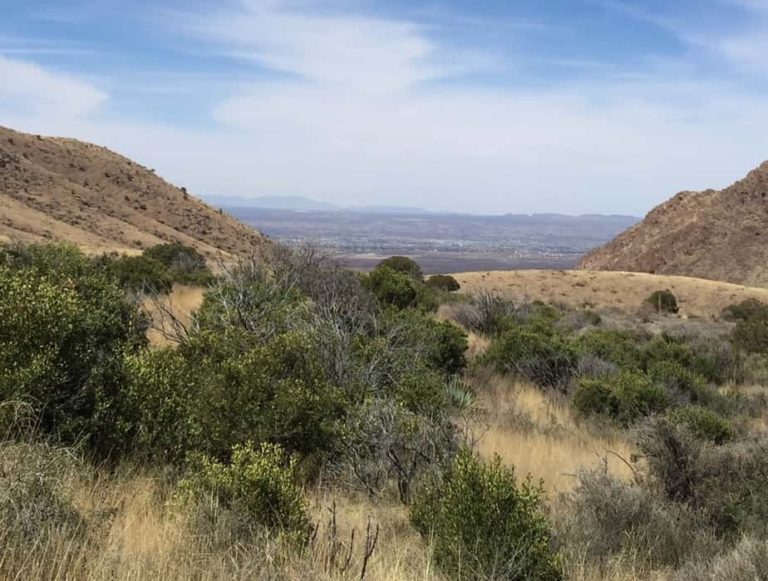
[{"x": 570, "y": 106}]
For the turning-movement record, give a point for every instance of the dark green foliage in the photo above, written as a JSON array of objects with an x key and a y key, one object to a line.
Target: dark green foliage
[
  {"x": 663, "y": 301},
  {"x": 256, "y": 490},
  {"x": 226, "y": 389},
  {"x": 745, "y": 310},
  {"x": 751, "y": 335},
  {"x": 402, "y": 264},
  {"x": 443, "y": 282},
  {"x": 183, "y": 264},
  {"x": 395, "y": 289},
  {"x": 703, "y": 423},
  {"x": 442, "y": 343},
  {"x": 540, "y": 355},
  {"x": 65, "y": 327},
  {"x": 622, "y": 348},
  {"x": 483, "y": 524},
  {"x": 140, "y": 273},
  {"x": 624, "y": 397}
]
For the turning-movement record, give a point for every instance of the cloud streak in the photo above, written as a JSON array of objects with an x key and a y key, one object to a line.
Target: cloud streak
[{"x": 355, "y": 108}]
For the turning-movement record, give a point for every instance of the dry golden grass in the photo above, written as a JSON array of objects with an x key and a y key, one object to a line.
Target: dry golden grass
[
  {"x": 139, "y": 535},
  {"x": 180, "y": 304},
  {"x": 598, "y": 289},
  {"x": 538, "y": 435}
]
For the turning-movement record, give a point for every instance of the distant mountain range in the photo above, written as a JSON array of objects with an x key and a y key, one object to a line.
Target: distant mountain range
[{"x": 302, "y": 204}]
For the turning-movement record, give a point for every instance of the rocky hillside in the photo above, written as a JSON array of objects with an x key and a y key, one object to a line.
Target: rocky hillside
[
  {"x": 64, "y": 189},
  {"x": 718, "y": 235}
]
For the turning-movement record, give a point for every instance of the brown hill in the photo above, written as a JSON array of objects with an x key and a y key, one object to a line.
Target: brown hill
[
  {"x": 67, "y": 190},
  {"x": 718, "y": 235}
]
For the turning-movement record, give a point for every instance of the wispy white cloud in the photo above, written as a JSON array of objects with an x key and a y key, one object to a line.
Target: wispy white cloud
[
  {"x": 363, "y": 112},
  {"x": 35, "y": 92}
]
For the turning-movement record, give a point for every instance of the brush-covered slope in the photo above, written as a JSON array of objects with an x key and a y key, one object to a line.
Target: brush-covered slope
[
  {"x": 718, "y": 235},
  {"x": 67, "y": 190}
]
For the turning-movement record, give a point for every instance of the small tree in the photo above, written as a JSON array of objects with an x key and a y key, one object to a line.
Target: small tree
[
  {"x": 402, "y": 264},
  {"x": 663, "y": 301}
]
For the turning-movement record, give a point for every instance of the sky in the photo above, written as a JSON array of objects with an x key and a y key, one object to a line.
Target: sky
[{"x": 480, "y": 106}]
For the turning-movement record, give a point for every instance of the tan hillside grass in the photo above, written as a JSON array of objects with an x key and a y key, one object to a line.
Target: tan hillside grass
[
  {"x": 597, "y": 289},
  {"x": 538, "y": 434},
  {"x": 66, "y": 190},
  {"x": 718, "y": 235}
]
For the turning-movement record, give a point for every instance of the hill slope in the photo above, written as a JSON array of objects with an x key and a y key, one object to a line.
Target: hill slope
[
  {"x": 719, "y": 235},
  {"x": 64, "y": 189},
  {"x": 622, "y": 290}
]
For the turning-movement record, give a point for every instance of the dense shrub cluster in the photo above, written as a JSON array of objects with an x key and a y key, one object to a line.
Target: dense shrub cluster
[
  {"x": 66, "y": 328},
  {"x": 663, "y": 301},
  {"x": 256, "y": 490},
  {"x": 486, "y": 525},
  {"x": 158, "y": 268}
]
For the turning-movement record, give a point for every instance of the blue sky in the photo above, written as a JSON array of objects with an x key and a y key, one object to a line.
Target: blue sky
[{"x": 496, "y": 106}]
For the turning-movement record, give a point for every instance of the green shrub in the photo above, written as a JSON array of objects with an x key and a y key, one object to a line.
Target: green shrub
[
  {"x": 443, "y": 282},
  {"x": 621, "y": 348},
  {"x": 543, "y": 357},
  {"x": 441, "y": 343},
  {"x": 140, "y": 273},
  {"x": 183, "y": 264},
  {"x": 751, "y": 335},
  {"x": 484, "y": 525},
  {"x": 394, "y": 288},
  {"x": 745, "y": 310},
  {"x": 226, "y": 389},
  {"x": 256, "y": 488},
  {"x": 681, "y": 382},
  {"x": 402, "y": 264},
  {"x": 703, "y": 423},
  {"x": 663, "y": 301},
  {"x": 64, "y": 334},
  {"x": 624, "y": 397}
]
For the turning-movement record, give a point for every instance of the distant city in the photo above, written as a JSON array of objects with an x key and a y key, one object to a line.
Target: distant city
[{"x": 360, "y": 237}]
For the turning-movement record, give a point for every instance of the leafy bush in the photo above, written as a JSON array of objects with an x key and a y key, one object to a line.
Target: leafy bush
[
  {"x": 183, "y": 263},
  {"x": 484, "y": 525},
  {"x": 442, "y": 344},
  {"x": 745, "y": 310},
  {"x": 225, "y": 389},
  {"x": 402, "y": 264},
  {"x": 395, "y": 288},
  {"x": 663, "y": 301},
  {"x": 443, "y": 282},
  {"x": 751, "y": 335},
  {"x": 64, "y": 333},
  {"x": 624, "y": 397},
  {"x": 621, "y": 348},
  {"x": 703, "y": 423},
  {"x": 140, "y": 273},
  {"x": 543, "y": 357},
  {"x": 257, "y": 489}
]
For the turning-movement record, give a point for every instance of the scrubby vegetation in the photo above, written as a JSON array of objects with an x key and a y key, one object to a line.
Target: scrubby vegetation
[{"x": 311, "y": 422}]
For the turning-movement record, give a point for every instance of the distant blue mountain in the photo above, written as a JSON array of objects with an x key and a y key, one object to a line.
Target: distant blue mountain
[{"x": 271, "y": 203}]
